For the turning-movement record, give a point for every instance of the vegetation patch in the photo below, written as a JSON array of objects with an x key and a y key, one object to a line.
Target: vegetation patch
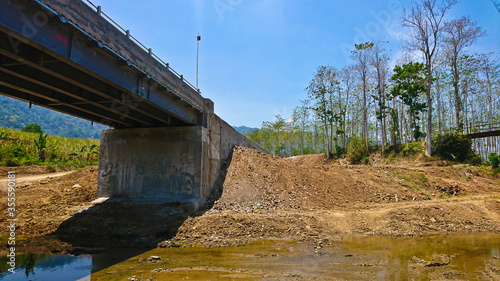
[
  {"x": 356, "y": 150},
  {"x": 410, "y": 150},
  {"x": 494, "y": 160},
  {"x": 455, "y": 147},
  {"x": 415, "y": 180},
  {"x": 18, "y": 148}
]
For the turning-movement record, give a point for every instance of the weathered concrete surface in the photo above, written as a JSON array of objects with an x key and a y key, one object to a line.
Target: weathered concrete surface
[
  {"x": 156, "y": 164},
  {"x": 172, "y": 164}
]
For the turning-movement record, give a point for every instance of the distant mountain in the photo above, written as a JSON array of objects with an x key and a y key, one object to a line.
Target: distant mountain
[
  {"x": 16, "y": 114},
  {"x": 244, "y": 129}
]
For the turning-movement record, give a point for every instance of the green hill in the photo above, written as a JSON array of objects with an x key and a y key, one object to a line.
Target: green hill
[
  {"x": 243, "y": 129},
  {"x": 16, "y": 114}
]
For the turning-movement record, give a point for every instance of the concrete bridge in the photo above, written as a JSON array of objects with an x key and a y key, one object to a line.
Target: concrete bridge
[{"x": 166, "y": 144}]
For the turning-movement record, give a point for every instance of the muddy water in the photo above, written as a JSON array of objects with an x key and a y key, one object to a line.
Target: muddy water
[{"x": 457, "y": 257}]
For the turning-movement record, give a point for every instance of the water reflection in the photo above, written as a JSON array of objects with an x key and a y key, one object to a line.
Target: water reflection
[
  {"x": 456, "y": 256},
  {"x": 49, "y": 267}
]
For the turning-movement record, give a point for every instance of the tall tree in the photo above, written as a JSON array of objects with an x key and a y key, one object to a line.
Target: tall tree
[
  {"x": 279, "y": 128},
  {"x": 425, "y": 21},
  {"x": 459, "y": 34},
  {"x": 321, "y": 90},
  {"x": 409, "y": 84},
  {"x": 438, "y": 73},
  {"x": 361, "y": 54},
  {"x": 490, "y": 70},
  {"x": 301, "y": 113}
]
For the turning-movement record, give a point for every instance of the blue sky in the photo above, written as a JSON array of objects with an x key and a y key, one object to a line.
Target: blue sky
[{"x": 257, "y": 56}]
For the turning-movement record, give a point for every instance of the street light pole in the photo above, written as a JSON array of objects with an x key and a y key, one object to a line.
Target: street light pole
[{"x": 198, "y": 38}]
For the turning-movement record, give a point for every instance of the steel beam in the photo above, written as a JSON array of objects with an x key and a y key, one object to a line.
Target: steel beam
[{"x": 50, "y": 95}]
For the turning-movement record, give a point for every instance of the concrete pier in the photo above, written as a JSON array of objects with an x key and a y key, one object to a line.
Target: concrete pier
[{"x": 170, "y": 164}]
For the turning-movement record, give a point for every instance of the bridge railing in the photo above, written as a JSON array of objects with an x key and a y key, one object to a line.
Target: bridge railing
[
  {"x": 481, "y": 127},
  {"x": 477, "y": 128},
  {"x": 146, "y": 49}
]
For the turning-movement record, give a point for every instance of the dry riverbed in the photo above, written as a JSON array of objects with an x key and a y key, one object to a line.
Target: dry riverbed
[{"x": 305, "y": 199}]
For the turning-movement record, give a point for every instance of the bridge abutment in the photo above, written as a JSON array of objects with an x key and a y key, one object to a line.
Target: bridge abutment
[{"x": 163, "y": 165}]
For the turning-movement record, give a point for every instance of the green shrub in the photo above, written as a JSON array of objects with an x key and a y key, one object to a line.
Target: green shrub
[
  {"x": 12, "y": 162},
  {"x": 32, "y": 128},
  {"x": 494, "y": 160},
  {"x": 16, "y": 151},
  {"x": 475, "y": 160},
  {"x": 308, "y": 150},
  {"x": 53, "y": 155},
  {"x": 27, "y": 162},
  {"x": 366, "y": 160},
  {"x": 356, "y": 149},
  {"x": 453, "y": 147},
  {"x": 412, "y": 149},
  {"x": 340, "y": 152},
  {"x": 402, "y": 151}
]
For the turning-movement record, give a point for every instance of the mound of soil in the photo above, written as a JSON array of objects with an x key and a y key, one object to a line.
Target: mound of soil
[
  {"x": 265, "y": 197},
  {"x": 309, "y": 197},
  {"x": 256, "y": 181}
]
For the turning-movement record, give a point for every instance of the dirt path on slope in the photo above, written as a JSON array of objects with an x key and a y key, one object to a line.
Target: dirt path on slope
[
  {"x": 44, "y": 201},
  {"x": 23, "y": 180}
]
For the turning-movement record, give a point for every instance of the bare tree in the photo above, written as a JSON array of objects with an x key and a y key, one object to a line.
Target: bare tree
[
  {"x": 347, "y": 80},
  {"x": 425, "y": 21},
  {"x": 379, "y": 59},
  {"x": 301, "y": 113},
  {"x": 361, "y": 55},
  {"x": 459, "y": 34}
]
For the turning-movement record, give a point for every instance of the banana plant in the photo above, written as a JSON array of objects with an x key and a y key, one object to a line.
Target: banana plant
[
  {"x": 4, "y": 136},
  {"x": 41, "y": 146},
  {"x": 88, "y": 150}
]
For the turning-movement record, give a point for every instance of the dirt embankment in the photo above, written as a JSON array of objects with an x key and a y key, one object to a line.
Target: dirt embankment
[
  {"x": 308, "y": 197},
  {"x": 300, "y": 198},
  {"x": 44, "y": 201}
]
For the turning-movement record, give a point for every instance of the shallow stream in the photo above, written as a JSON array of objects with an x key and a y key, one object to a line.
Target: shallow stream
[{"x": 462, "y": 256}]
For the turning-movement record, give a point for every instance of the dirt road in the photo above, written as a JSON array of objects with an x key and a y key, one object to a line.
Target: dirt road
[{"x": 22, "y": 180}]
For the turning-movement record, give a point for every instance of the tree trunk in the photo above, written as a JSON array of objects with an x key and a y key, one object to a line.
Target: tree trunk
[
  {"x": 440, "y": 121},
  {"x": 365, "y": 115},
  {"x": 428, "y": 138}
]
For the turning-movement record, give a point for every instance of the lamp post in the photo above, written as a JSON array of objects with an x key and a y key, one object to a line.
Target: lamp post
[{"x": 198, "y": 38}]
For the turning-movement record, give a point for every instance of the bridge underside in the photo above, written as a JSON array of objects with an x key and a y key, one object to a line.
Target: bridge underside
[
  {"x": 47, "y": 61},
  {"x": 36, "y": 77}
]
